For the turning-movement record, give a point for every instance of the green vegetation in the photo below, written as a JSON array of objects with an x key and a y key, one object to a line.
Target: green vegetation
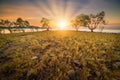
[
  {"x": 60, "y": 55},
  {"x": 91, "y": 21},
  {"x": 45, "y": 23},
  {"x": 19, "y": 25}
]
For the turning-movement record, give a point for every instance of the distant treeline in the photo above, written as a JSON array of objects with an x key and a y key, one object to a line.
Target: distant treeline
[{"x": 18, "y": 25}]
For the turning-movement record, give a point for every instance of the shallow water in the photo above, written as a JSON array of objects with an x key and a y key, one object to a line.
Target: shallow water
[{"x": 106, "y": 29}]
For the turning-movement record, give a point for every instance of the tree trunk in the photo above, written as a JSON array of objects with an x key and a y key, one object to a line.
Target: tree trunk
[
  {"x": 91, "y": 30},
  {"x": 3, "y": 30},
  {"x": 23, "y": 30},
  {"x": 76, "y": 29},
  {"x": 47, "y": 29},
  {"x": 10, "y": 30},
  {"x": 0, "y": 31},
  {"x": 37, "y": 30}
]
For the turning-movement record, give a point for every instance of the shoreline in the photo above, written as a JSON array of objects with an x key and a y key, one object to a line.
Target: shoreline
[{"x": 63, "y": 30}]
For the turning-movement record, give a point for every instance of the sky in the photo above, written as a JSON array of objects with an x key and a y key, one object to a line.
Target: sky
[{"x": 34, "y": 10}]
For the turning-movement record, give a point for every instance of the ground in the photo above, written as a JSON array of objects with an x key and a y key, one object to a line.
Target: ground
[{"x": 60, "y": 55}]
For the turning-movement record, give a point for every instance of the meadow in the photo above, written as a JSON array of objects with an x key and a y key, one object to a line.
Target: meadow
[{"x": 60, "y": 55}]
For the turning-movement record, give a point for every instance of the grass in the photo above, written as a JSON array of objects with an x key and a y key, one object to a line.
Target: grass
[{"x": 60, "y": 55}]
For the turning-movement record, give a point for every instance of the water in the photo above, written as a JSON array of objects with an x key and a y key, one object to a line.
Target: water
[{"x": 106, "y": 29}]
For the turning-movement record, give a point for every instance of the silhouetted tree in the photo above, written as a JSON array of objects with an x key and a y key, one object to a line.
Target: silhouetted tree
[
  {"x": 91, "y": 21},
  {"x": 45, "y": 23},
  {"x": 80, "y": 20},
  {"x": 18, "y": 25},
  {"x": 15, "y": 24},
  {"x": 22, "y": 24},
  {"x": 1, "y": 22},
  {"x": 96, "y": 20},
  {"x": 8, "y": 24},
  {"x": 1, "y": 25},
  {"x": 75, "y": 24},
  {"x": 26, "y": 23}
]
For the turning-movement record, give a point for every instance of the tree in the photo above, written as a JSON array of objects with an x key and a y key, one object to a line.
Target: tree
[
  {"x": 1, "y": 25},
  {"x": 5, "y": 24},
  {"x": 21, "y": 23},
  {"x": 80, "y": 20},
  {"x": 96, "y": 20},
  {"x": 91, "y": 21},
  {"x": 75, "y": 24},
  {"x": 1, "y": 22},
  {"x": 26, "y": 23},
  {"x": 8, "y": 24},
  {"x": 45, "y": 23}
]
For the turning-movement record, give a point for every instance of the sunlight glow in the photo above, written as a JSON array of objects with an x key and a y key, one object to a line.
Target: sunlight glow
[{"x": 62, "y": 24}]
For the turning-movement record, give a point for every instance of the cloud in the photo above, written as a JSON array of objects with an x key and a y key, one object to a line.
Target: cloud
[{"x": 56, "y": 9}]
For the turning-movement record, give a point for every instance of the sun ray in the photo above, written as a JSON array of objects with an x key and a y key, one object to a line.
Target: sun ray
[{"x": 62, "y": 24}]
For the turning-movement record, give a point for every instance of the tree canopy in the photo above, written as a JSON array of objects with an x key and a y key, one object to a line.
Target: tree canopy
[
  {"x": 45, "y": 23},
  {"x": 91, "y": 21}
]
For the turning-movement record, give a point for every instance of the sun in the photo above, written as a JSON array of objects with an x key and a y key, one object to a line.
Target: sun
[{"x": 62, "y": 24}]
